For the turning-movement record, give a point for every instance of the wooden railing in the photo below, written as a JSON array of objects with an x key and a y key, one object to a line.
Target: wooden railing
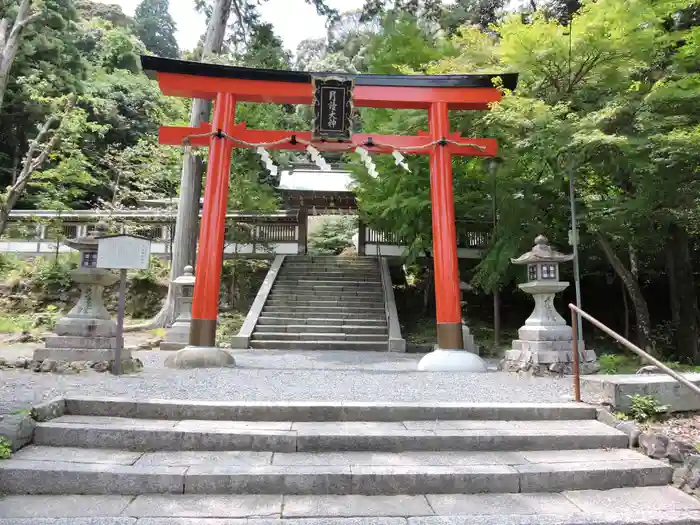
[
  {"x": 379, "y": 237},
  {"x": 275, "y": 233},
  {"x": 475, "y": 237}
]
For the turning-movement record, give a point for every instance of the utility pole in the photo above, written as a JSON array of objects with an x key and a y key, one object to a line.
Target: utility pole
[
  {"x": 493, "y": 166},
  {"x": 572, "y": 205},
  {"x": 574, "y": 241}
]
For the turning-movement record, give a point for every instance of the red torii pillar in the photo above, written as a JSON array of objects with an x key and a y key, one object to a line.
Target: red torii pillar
[
  {"x": 227, "y": 84},
  {"x": 205, "y": 305},
  {"x": 447, "y": 295}
]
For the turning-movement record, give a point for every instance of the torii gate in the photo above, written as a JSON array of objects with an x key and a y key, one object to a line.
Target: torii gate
[{"x": 227, "y": 85}]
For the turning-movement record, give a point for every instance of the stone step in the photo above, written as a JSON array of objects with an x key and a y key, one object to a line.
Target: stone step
[
  {"x": 179, "y": 410},
  {"x": 295, "y": 301},
  {"x": 328, "y": 286},
  {"x": 322, "y": 267},
  {"x": 326, "y": 436},
  {"x": 321, "y": 294},
  {"x": 371, "y": 272},
  {"x": 620, "y": 506},
  {"x": 311, "y": 310},
  {"x": 358, "y": 283},
  {"x": 328, "y": 273},
  {"x": 303, "y": 346},
  {"x": 329, "y": 261},
  {"x": 99, "y": 471},
  {"x": 309, "y": 291},
  {"x": 321, "y": 329},
  {"x": 322, "y": 337},
  {"x": 314, "y": 315},
  {"x": 278, "y": 319}
]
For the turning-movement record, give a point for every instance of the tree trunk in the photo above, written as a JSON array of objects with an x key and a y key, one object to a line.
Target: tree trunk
[
  {"x": 634, "y": 261},
  {"x": 641, "y": 310},
  {"x": 685, "y": 309},
  {"x": 185, "y": 237},
  {"x": 16, "y": 163},
  {"x": 9, "y": 43},
  {"x": 674, "y": 301},
  {"x": 626, "y": 311}
]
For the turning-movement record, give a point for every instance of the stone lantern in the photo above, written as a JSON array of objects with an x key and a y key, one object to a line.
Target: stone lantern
[
  {"x": 87, "y": 332},
  {"x": 177, "y": 336},
  {"x": 544, "y": 343}
]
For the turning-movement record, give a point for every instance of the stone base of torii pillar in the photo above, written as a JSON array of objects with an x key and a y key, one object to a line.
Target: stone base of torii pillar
[{"x": 445, "y": 360}]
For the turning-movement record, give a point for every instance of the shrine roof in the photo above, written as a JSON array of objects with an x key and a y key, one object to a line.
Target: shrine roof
[{"x": 153, "y": 65}]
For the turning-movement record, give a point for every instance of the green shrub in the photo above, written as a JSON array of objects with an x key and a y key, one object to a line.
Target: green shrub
[
  {"x": 8, "y": 263},
  {"x": 5, "y": 448},
  {"x": 229, "y": 325},
  {"x": 645, "y": 408},
  {"x": 52, "y": 276}
]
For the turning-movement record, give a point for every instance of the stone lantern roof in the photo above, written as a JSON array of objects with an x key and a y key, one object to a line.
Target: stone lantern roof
[
  {"x": 542, "y": 252},
  {"x": 88, "y": 242}
]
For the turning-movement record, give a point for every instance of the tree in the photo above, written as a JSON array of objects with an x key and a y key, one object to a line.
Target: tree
[
  {"x": 333, "y": 236},
  {"x": 39, "y": 150},
  {"x": 10, "y": 37},
  {"x": 185, "y": 236},
  {"x": 246, "y": 17},
  {"x": 480, "y": 13},
  {"x": 48, "y": 65},
  {"x": 425, "y": 9},
  {"x": 156, "y": 28}
]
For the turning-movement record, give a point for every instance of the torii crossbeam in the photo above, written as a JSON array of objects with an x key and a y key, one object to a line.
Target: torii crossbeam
[{"x": 227, "y": 85}]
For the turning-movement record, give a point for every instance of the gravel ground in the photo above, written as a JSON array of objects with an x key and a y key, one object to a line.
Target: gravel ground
[{"x": 286, "y": 376}]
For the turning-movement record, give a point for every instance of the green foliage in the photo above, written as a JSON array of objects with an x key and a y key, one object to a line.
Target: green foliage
[
  {"x": 5, "y": 448},
  {"x": 645, "y": 408},
  {"x": 333, "y": 236},
  {"x": 229, "y": 325},
  {"x": 618, "y": 364}
]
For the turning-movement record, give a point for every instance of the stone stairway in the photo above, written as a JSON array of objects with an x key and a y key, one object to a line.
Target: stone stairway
[
  {"x": 324, "y": 303},
  {"x": 122, "y": 462}
]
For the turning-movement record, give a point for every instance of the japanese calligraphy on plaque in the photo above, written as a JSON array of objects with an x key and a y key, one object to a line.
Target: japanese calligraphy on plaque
[{"x": 332, "y": 108}]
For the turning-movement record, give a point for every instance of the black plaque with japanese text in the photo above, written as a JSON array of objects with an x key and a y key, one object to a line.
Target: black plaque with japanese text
[{"x": 332, "y": 108}]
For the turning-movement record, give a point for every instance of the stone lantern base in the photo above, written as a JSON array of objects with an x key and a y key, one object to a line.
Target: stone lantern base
[
  {"x": 67, "y": 348},
  {"x": 87, "y": 332},
  {"x": 542, "y": 351}
]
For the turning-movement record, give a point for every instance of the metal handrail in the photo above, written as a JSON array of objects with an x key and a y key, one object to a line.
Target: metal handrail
[{"x": 575, "y": 310}]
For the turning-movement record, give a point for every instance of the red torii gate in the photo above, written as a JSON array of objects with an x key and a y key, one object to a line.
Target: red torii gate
[{"x": 227, "y": 85}]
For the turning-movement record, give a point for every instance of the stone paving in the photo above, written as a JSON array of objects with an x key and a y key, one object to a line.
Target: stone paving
[
  {"x": 657, "y": 505},
  {"x": 285, "y": 376}
]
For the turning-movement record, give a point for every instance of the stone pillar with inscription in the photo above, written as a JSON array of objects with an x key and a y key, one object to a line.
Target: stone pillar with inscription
[
  {"x": 544, "y": 344},
  {"x": 87, "y": 332}
]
